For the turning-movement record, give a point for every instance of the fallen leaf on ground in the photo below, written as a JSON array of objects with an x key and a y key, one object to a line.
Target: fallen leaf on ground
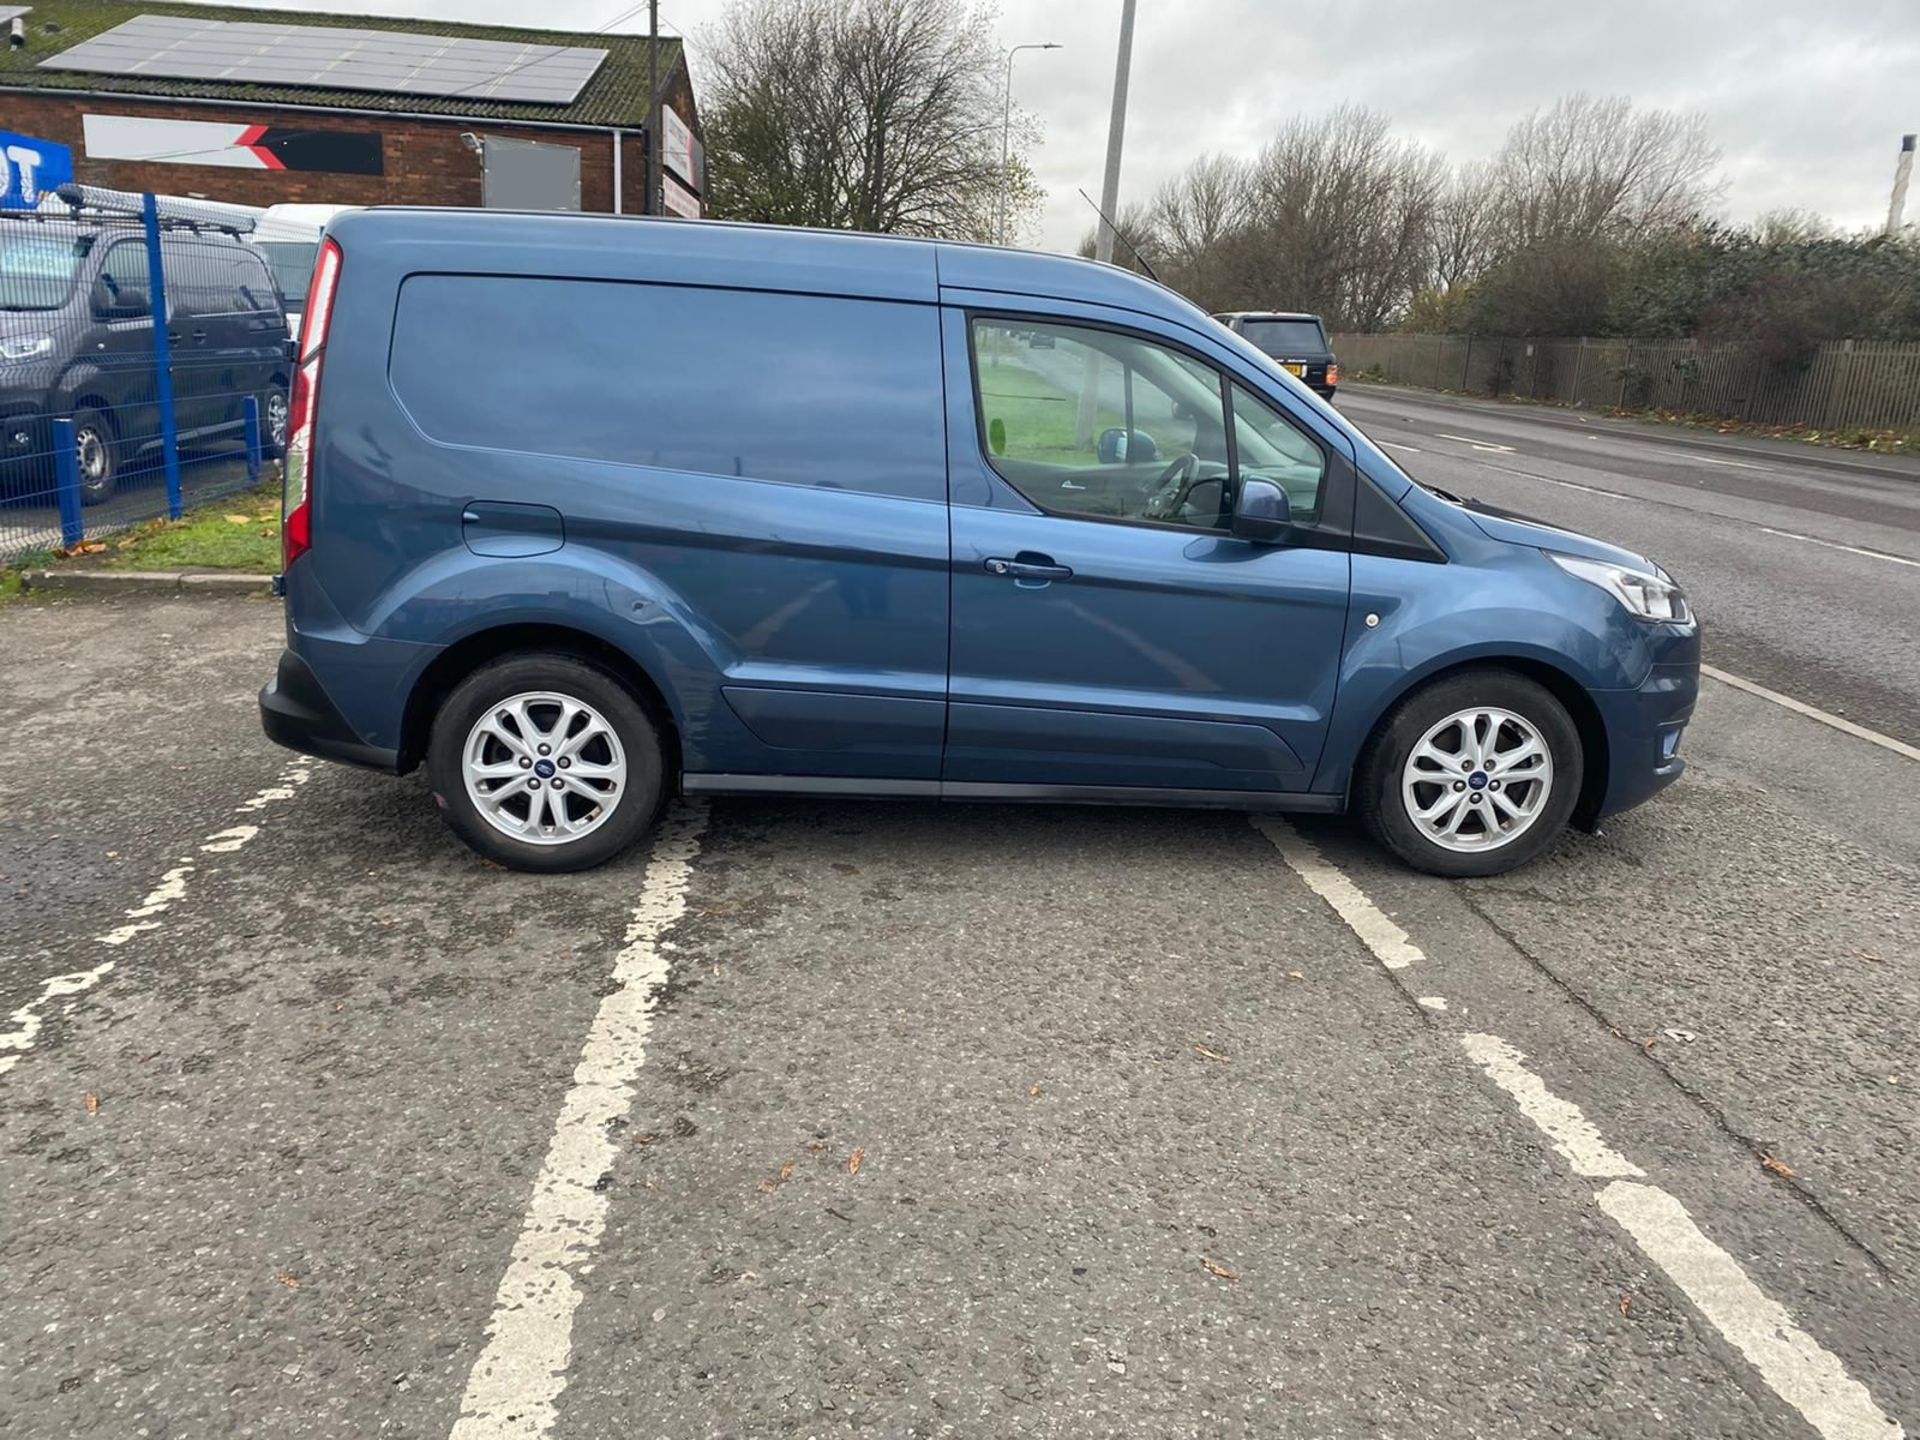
[
  {"x": 786, "y": 1171},
  {"x": 92, "y": 1102},
  {"x": 767, "y": 1187},
  {"x": 1650, "y": 1042},
  {"x": 239, "y": 519},
  {"x": 1033, "y": 1092},
  {"x": 1868, "y": 955},
  {"x": 288, "y": 1279},
  {"x": 1778, "y": 1167},
  {"x": 855, "y": 1160},
  {"x": 1626, "y": 1302},
  {"x": 1218, "y": 1271},
  {"x": 1295, "y": 975},
  {"x": 1205, "y": 1054},
  {"x": 814, "y": 1147},
  {"x": 646, "y": 1139}
]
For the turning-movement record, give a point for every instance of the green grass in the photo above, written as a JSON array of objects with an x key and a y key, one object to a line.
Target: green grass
[
  {"x": 1038, "y": 416},
  {"x": 207, "y": 538}
]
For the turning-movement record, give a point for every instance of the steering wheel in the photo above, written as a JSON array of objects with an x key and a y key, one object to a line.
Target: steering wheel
[{"x": 1170, "y": 491}]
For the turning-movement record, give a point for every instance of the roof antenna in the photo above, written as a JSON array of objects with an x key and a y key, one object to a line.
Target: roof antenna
[{"x": 1123, "y": 239}]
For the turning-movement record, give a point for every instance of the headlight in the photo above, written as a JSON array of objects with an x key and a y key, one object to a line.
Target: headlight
[
  {"x": 25, "y": 347},
  {"x": 1649, "y": 595}
]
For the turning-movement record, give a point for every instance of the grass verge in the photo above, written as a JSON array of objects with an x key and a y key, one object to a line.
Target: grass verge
[{"x": 239, "y": 533}]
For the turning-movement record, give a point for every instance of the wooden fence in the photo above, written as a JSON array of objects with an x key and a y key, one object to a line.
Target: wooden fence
[{"x": 1851, "y": 384}]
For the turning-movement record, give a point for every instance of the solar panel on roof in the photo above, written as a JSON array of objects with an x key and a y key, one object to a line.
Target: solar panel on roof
[{"x": 338, "y": 58}]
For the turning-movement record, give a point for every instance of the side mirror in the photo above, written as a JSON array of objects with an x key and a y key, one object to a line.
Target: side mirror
[
  {"x": 1261, "y": 512},
  {"x": 120, "y": 302}
]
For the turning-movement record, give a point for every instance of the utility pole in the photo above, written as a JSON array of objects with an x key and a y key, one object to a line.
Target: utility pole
[
  {"x": 656, "y": 192},
  {"x": 1116, "y": 133},
  {"x": 1902, "y": 170},
  {"x": 1109, "y": 207},
  {"x": 1006, "y": 137}
]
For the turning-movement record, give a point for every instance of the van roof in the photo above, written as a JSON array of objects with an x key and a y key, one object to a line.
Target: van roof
[{"x": 772, "y": 256}]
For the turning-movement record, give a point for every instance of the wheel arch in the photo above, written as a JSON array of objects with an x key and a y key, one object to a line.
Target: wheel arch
[
  {"x": 468, "y": 654},
  {"x": 1560, "y": 683}
]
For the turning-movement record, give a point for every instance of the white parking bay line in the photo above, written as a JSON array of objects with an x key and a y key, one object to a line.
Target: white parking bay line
[
  {"x": 1799, "y": 1370},
  {"x": 1813, "y": 712},
  {"x": 515, "y": 1383},
  {"x": 1386, "y": 940},
  {"x": 28, "y": 1019},
  {"x": 1561, "y": 1121}
]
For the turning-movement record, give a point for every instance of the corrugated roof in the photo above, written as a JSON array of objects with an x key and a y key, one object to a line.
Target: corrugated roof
[{"x": 615, "y": 96}]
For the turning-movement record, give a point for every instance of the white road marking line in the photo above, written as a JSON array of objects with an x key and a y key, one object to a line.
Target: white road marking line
[
  {"x": 1836, "y": 545},
  {"x": 1812, "y": 712},
  {"x": 170, "y": 891},
  {"x": 1800, "y": 1371},
  {"x": 1736, "y": 464},
  {"x": 1809, "y": 1378},
  {"x": 517, "y": 1378},
  {"x": 1561, "y": 1121},
  {"x": 1476, "y": 444},
  {"x": 1563, "y": 484},
  {"x": 1410, "y": 449},
  {"x": 1386, "y": 940}
]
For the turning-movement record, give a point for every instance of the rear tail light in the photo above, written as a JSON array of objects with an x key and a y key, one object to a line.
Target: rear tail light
[
  {"x": 296, "y": 526},
  {"x": 1333, "y": 374}
]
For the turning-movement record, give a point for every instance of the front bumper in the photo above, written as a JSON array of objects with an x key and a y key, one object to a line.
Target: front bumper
[
  {"x": 297, "y": 713},
  {"x": 1644, "y": 726}
]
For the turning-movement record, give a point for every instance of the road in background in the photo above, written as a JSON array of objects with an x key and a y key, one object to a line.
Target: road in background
[{"x": 1804, "y": 562}]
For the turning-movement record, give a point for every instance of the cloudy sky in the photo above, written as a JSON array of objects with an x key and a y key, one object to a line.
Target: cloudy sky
[{"x": 1806, "y": 101}]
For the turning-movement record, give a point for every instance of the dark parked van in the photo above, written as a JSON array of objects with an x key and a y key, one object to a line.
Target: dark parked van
[
  {"x": 76, "y": 339},
  {"x": 585, "y": 511},
  {"x": 1297, "y": 340}
]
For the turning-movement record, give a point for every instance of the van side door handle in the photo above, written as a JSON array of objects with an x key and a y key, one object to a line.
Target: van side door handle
[{"x": 1029, "y": 565}]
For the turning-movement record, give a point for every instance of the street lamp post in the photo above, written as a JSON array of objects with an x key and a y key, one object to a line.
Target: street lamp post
[{"x": 1006, "y": 133}]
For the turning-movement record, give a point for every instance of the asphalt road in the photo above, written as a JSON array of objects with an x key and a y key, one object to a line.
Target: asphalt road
[{"x": 827, "y": 1120}]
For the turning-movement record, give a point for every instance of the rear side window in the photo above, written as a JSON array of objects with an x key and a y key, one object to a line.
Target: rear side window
[{"x": 802, "y": 389}]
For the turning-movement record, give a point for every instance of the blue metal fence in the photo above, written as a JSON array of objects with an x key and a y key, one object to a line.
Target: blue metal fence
[{"x": 144, "y": 364}]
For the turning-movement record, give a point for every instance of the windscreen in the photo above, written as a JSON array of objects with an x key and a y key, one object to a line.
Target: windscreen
[
  {"x": 1285, "y": 339},
  {"x": 37, "y": 271}
]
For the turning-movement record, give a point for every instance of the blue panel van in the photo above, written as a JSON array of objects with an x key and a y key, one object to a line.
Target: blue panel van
[{"x": 583, "y": 512}]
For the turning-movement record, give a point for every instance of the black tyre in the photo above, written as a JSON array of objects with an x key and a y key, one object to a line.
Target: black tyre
[
  {"x": 99, "y": 450},
  {"x": 1475, "y": 774},
  {"x": 545, "y": 763},
  {"x": 273, "y": 420}
]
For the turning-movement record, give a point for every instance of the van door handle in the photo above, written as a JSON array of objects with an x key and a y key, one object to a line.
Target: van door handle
[{"x": 1028, "y": 566}]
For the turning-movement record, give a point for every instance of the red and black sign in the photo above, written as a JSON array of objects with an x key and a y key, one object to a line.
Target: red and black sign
[
  {"x": 239, "y": 147},
  {"x": 338, "y": 152}
]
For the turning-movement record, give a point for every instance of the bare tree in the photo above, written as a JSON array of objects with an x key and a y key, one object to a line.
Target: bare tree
[
  {"x": 1342, "y": 218},
  {"x": 1591, "y": 168},
  {"x": 876, "y": 115},
  {"x": 1466, "y": 226}
]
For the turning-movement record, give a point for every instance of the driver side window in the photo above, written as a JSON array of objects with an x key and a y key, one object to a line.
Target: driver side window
[{"x": 1098, "y": 424}]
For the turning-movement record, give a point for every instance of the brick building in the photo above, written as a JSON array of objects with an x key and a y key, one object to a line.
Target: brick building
[{"x": 273, "y": 126}]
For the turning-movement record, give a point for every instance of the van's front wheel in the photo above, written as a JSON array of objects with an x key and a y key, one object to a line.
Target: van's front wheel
[
  {"x": 1474, "y": 775},
  {"x": 545, "y": 763}
]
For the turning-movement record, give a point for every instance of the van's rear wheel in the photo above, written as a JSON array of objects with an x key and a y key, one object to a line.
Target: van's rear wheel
[
  {"x": 545, "y": 763},
  {"x": 1474, "y": 775}
]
